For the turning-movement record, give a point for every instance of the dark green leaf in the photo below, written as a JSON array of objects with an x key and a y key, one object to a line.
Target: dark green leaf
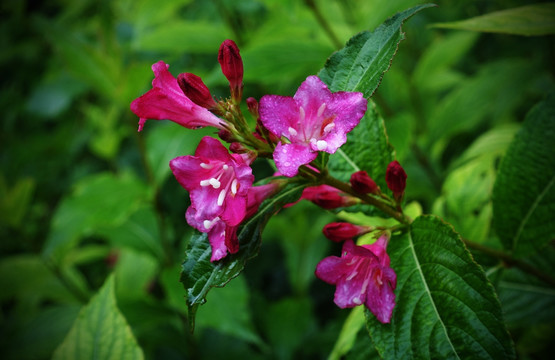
[
  {"x": 366, "y": 57},
  {"x": 446, "y": 308},
  {"x": 367, "y": 148},
  {"x": 102, "y": 200},
  {"x": 199, "y": 275},
  {"x": 538, "y": 19},
  {"x": 523, "y": 194},
  {"x": 100, "y": 331}
]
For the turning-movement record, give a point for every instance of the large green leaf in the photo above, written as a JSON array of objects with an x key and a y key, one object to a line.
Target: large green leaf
[
  {"x": 523, "y": 194},
  {"x": 538, "y": 19},
  {"x": 367, "y": 148},
  {"x": 446, "y": 308},
  {"x": 366, "y": 57},
  {"x": 100, "y": 331},
  {"x": 199, "y": 275}
]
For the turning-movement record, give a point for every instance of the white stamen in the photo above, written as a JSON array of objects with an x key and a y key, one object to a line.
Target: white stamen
[
  {"x": 215, "y": 183},
  {"x": 329, "y": 127},
  {"x": 321, "y": 110},
  {"x": 225, "y": 167},
  {"x": 357, "y": 301},
  {"x": 204, "y": 182},
  {"x": 364, "y": 285},
  {"x": 301, "y": 114},
  {"x": 321, "y": 145},
  {"x": 206, "y": 166},
  {"x": 234, "y": 186},
  {"x": 292, "y": 131},
  {"x": 221, "y": 198},
  {"x": 353, "y": 274},
  {"x": 313, "y": 141},
  {"x": 209, "y": 223}
]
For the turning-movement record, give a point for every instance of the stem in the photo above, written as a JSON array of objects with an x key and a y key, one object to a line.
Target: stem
[
  {"x": 323, "y": 23},
  {"x": 510, "y": 261}
]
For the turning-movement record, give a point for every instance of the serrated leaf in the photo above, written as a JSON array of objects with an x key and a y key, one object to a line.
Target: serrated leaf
[
  {"x": 100, "y": 331},
  {"x": 199, "y": 275},
  {"x": 366, "y": 57},
  {"x": 530, "y": 20},
  {"x": 366, "y": 149},
  {"x": 446, "y": 308},
  {"x": 523, "y": 194}
]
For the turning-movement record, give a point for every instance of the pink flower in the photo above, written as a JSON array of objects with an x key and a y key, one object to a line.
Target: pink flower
[
  {"x": 166, "y": 100},
  {"x": 362, "y": 275},
  {"x": 217, "y": 181},
  {"x": 314, "y": 119},
  {"x": 223, "y": 236}
]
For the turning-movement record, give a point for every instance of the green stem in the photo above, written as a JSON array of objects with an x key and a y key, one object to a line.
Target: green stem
[
  {"x": 323, "y": 23},
  {"x": 510, "y": 261}
]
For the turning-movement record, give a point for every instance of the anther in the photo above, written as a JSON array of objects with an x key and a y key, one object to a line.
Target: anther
[
  {"x": 321, "y": 110},
  {"x": 221, "y": 198}
]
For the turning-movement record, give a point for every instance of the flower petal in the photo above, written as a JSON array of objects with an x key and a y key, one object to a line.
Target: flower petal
[
  {"x": 166, "y": 101},
  {"x": 278, "y": 114},
  {"x": 289, "y": 157},
  {"x": 330, "y": 269},
  {"x": 311, "y": 95}
]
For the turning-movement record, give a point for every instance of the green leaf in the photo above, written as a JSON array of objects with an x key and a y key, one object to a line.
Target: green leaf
[
  {"x": 101, "y": 200},
  {"x": 14, "y": 201},
  {"x": 367, "y": 148},
  {"x": 446, "y": 308},
  {"x": 523, "y": 194},
  {"x": 361, "y": 65},
  {"x": 530, "y": 20},
  {"x": 347, "y": 336},
  {"x": 100, "y": 331},
  {"x": 199, "y": 275},
  {"x": 228, "y": 311}
]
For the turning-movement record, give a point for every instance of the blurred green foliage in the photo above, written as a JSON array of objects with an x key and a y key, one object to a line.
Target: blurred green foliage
[{"x": 83, "y": 195}]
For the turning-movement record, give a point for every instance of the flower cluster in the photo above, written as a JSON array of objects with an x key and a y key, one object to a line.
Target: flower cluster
[{"x": 292, "y": 131}]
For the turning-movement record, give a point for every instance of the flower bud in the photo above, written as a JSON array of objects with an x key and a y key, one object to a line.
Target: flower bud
[
  {"x": 341, "y": 231},
  {"x": 226, "y": 136},
  {"x": 328, "y": 197},
  {"x": 252, "y": 105},
  {"x": 396, "y": 179},
  {"x": 362, "y": 183},
  {"x": 232, "y": 67},
  {"x": 237, "y": 148},
  {"x": 193, "y": 87}
]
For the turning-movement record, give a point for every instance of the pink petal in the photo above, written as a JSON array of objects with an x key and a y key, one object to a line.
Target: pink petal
[
  {"x": 330, "y": 269},
  {"x": 211, "y": 148},
  {"x": 380, "y": 298},
  {"x": 187, "y": 171},
  {"x": 216, "y": 237},
  {"x": 166, "y": 100},
  {"x": 289, "y": 157},
  {"x": 311, "y": 95},
  {"x": 235, "y": 210},
  {"x": 278, "y": 114}
]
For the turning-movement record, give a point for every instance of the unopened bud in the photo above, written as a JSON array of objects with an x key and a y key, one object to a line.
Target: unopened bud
[
  {"x": 328, "y": 197},
  {"x": 252, "y": 105},
  {"x": 232, "y": 67},
  {"x": 362, "y": 183},
  {"x": 237, "y": 148},
  {"x": 193, "y": 87},
  {"x": 341, "y": 231},
  {"x": 396, "y": 179},
  {"x": 226, "y": 136}
]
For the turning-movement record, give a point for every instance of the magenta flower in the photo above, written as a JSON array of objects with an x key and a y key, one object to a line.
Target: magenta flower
[
  {"x": 217, "y": 181},
  {"x": 223, "y": 236},
  {"x": 166, "y": 100},
  {"x": 362, "y": 275},
  {"x": 314, "y": 119}
]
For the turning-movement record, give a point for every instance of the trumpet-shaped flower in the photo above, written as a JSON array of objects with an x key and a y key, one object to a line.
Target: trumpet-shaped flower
[
  {"x": 166, "y": 100},
  {"x": 217, "y": 181},
  {"x": 362, "y": 275},
  {"x": 314, "y": 119}
]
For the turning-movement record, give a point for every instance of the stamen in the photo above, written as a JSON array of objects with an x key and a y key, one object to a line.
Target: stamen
[
  {"x": 329, "y": 127},
  {"x": 215, "y": 183},
  {"x": 225, "y": 167},
  {"x": 234, "y": 186},
  {"x": 204, "y": 182},
  {"x": 357, "y": 300},
  {"x": 292, "y": 131},
  {"x": 206, "y": 166},
  {"x": 353, "y": 274},
  {"x": 208, "y": 223},
  {"x": 321, "y": 110},
  {"x": 321, "y": 145},
  {"x": 302, "y": 114},
  {"x": 221, "y": 198}
]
